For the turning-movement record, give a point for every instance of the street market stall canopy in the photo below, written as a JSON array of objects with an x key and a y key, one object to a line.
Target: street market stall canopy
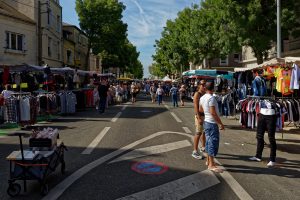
[
  {"x": 272, "y": 62},
  {"x": 22, "y": 68},
  {"x": 208, "y": 73},
  {"x": 167, "y": 79}
]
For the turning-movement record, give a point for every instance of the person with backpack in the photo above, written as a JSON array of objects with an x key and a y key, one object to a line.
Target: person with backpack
[{"x": 173, "y": 94}]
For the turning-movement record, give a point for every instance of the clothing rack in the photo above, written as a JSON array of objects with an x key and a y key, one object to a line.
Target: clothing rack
[{"x": 261, "y": 97}]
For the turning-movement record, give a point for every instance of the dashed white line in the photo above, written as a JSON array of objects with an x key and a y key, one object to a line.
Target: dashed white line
[
  {"x": 116, "y": 117},
  {"x": 96, "y": 141},
  {"x": 124, "y": 107},
  {"x": 187, "y": 130},
  {"x": 167, "y": 107},
  {"x": 176, "y": 118}
]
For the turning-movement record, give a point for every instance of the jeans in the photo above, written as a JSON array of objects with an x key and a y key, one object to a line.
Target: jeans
[
  {"x": 266, "y": 123},
  {"x": 174, "y": 100},
  {"x": 212, "y": 135},
  {"x": 159, "y": 99},
  {"x": 102, "y": 104}
]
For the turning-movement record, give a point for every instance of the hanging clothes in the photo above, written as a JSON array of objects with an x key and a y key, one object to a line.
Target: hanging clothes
[
  {"x": 283, "y": 80},
  {"x": 295, "y": 76}
]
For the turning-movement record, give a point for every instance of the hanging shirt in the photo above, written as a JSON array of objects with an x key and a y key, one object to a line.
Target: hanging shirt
[
  {"x": 294, "y": 84},
  {"x": 24, "y": 109},
  {"x": 283, "y": 81}
]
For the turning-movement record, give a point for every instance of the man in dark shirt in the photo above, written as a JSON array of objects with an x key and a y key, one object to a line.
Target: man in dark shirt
[{"x": 102, "y": 89}]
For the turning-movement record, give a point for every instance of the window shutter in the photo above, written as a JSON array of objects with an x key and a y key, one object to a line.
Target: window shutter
[{"x": 24, "y": 43}]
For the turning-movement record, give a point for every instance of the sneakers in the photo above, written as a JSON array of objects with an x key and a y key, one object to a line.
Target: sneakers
[
  {"x": 255, "y": 159},
  {"x": 271, "y": 164},
  {"x": 196, "y": 155}
]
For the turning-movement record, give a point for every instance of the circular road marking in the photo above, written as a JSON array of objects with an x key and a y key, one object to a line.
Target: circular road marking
[{"x": 149, "y": 167}]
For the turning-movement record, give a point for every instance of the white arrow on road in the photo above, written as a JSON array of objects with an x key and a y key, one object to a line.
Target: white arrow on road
[
  {"x": 137, "y": 153},
  {"x": 178, "y": 189}
]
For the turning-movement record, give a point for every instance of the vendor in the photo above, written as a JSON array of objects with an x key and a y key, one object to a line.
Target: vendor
[{"x": 7, "y": 92}]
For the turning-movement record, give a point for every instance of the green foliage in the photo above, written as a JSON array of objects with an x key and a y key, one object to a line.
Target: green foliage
[
  {"x": 217, "y": 28},
  {"x": 102, "y": 21}
]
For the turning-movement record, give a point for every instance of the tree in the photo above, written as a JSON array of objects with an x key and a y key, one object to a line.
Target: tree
[
  {"x": 255, "y": 25},
  {"x": 102, "y": 21}
]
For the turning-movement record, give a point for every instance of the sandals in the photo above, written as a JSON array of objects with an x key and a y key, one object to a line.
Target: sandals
[{"x": 215, "y": 169}]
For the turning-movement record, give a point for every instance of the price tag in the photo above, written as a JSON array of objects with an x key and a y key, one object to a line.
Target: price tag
[
  {"x": 61, "y": 85},
  {"x": 41, "y": 85},
  {"x": 24, "y": 85},
  {"x": 14, "y": 86}
]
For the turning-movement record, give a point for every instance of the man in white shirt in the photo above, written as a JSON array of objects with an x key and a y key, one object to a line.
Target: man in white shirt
[{"x": 209, "y": 106}]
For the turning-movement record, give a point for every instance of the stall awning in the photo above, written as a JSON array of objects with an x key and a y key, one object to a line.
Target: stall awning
[
  {"x": 292, "y": 59},
  {"x": 208, "y": 73}
]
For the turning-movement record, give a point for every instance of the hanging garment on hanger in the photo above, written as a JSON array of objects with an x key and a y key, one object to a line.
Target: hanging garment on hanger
[{"x": 295, "y": 76}]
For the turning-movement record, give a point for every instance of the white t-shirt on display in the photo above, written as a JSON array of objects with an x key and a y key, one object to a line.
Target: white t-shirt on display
[{"x": 207, "y": 101}]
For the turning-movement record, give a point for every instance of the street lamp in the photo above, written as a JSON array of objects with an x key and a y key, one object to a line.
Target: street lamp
[{"x": 278, "y": 30}]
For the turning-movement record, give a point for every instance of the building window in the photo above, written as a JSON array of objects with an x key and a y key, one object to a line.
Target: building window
[
  {"x": 224, "y": 61},
  {"x": 49, "y": 17},
  {"x": 15, "y": 41},
  {"x": 58, "y": 50},
  {"x": 49, "y": 46},
  {"x": 236, "y": 57},
  {"x": 69, "y": 56},
  {"x": 58, "y": 24}
]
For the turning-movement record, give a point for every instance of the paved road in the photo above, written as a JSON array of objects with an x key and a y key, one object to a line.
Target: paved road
[{"x": 143, "y": 151}]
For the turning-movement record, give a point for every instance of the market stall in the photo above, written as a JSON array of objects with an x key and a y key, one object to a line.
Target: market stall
[{"x": 274, "y": 81}]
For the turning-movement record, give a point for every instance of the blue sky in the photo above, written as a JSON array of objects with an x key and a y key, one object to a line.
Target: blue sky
[{"x": 145, "y": 19}]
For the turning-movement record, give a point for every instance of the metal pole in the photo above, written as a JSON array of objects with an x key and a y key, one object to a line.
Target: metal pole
[
  {"x": 40, "y": 49},
  {"x": 278, "y": 30}
]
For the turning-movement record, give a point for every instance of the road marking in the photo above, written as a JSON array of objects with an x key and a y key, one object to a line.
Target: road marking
[
  {"x": 124, "y": 107},
  {"x": 96, "y": 141},
  {"x": 116, "y": 117},
  {"x": 179, "y": 189},
  {"x": 58, "y": 190},
  {"x": 167, "y": 107},
  {"x": 187, "y": 130},
  {"x": 137, "y": 153},
  {"x": 233, "y": 184},
  {"x": 176, "y": 118}
]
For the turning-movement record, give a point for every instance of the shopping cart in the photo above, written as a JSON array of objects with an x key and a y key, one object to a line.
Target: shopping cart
[{"x": 34, "y": 164}]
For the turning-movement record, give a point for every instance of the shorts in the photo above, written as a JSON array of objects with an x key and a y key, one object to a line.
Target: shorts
[
  {"x": 199, "y": 127},
  {"x": 212, "y": 135}
]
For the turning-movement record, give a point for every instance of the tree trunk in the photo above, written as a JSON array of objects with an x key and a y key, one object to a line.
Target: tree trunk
[{"x": 260, "y": 57}]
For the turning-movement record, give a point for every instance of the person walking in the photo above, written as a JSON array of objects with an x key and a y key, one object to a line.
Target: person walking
[
  {"x": 182, "y": 93},
  {"x": 209, "y": 106},
  {"x": 102, "y": 89},
  {"x": 199, "y": 118},
  {"x": 153, "y": 92},
  {"x": 174, "y": 93},
  {"x": 134, "y": 91},
  {"x": 159, "y": 93}
]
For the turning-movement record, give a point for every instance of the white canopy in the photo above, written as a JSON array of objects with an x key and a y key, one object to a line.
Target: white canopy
[
  {"x": 292, "y": 59},
  {"x": 166, "y": 78},
  {"x": 274, "y": 61}
]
